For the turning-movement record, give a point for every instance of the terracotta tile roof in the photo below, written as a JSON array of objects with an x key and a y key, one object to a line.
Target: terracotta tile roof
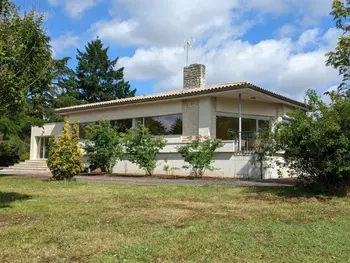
[{"x": 179, "y": 94}]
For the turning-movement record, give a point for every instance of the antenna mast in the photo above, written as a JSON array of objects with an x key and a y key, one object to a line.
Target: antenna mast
[{"x": 187, "y": 45}]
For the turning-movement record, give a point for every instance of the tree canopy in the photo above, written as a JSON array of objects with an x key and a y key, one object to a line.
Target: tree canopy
[
  {"x": 26, "y": 72},
  {"x": 33, "y": 83},
  {"x": 316, "y": 143},
  {"x": 340, "y": 57},
  {"x": 96, "y": 76}
]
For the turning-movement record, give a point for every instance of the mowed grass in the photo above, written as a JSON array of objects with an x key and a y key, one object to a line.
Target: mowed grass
[{"x": 81, "y": 222}]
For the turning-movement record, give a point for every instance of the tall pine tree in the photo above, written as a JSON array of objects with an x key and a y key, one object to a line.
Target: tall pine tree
[{"x": 96, "y": 76}]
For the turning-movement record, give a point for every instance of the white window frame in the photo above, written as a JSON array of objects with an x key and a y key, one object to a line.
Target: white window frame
[{"x": 246, "y": 116}]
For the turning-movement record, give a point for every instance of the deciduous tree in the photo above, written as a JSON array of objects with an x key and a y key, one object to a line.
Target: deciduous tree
[
  {"x": 340, "y": 57},
  {"x": 316, "y": 145},
  {"x": 103, "y": 145},
  {"x": 142, "y": 148}
]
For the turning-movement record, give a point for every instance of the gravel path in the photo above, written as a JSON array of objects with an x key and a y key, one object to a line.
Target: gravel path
[{"x": 158, "y": 181}]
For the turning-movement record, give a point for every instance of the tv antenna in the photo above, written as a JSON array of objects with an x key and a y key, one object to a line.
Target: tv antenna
[{"x": 187, "y": 45}]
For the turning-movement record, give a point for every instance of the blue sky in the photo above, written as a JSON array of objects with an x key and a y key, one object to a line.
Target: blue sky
[{"x": 277, "y": 44}]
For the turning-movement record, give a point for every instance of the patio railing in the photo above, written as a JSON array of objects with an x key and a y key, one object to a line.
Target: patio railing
[{"x": 247, "y": 142}]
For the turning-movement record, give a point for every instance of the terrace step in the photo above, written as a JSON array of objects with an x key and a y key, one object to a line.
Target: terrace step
[
  {"x": 37, "y": 165},
  {"x": 12, "y": 168},
  {"x": 28, "y": 165}
]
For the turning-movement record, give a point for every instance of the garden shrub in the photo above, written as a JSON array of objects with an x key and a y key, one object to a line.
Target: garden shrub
[
  {"x": 103, "y": 146},
  {"x": 65, "y": 157},
  {"x": 13, "y": 150},
  {"x": 199, "y": 154},
  {"x": 316, "y": 144},
  {"x": 142, "y": 148}
]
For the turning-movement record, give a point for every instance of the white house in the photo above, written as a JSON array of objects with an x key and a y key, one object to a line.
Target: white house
[{"x": 233, "y": 112}]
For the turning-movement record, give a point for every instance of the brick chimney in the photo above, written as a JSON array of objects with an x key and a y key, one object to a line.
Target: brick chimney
[{"x": 194, "y": 76}]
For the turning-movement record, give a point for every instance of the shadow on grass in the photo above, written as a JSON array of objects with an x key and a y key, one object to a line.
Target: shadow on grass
[
  {"x": 6, "y": 198},
  {"x": 282, "y": 181}
]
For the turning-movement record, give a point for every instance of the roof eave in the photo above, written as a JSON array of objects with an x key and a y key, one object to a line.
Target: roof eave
[{"x": 176, "y": 96}]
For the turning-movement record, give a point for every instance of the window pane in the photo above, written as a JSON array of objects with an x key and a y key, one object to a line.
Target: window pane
[
  {"x": 263, "y": 124},
  {"x": 248, "y": 125},
  {"x": 122, "y": 125},
  {"x": 227, "y": 128},
  {"x": 164, "y": 125}
]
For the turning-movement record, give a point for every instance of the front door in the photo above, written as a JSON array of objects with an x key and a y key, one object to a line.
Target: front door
[{"x": 43, "y": 147}]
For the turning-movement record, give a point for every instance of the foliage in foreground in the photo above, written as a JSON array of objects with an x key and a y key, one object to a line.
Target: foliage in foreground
[
  {"x": 199, "y": 154},
  {"x": 339, "y": 58},
  {"x": 33, "y": 83},
  {"x": 317, "y": 144},
  {"x": 25, "y": 76},
  {"x": 13, "y": 150},
  {"x": 264, "y": 150},
  {"x": 65, "y": 156},
  {"x": 143, "y": 148},
  {"x": 103, "y": 145}
]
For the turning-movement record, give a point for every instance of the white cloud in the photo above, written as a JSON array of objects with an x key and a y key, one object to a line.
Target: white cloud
[
  {"x": 286, "y": 30},
  {"x": 74, "y": 8},
  {"x": 267, "y": 6},
  {"x": 168, "y": 23},
  {"x": 308, "y": 37},
  {"x": 63, "y": 42},
  {"x": 274, "y": 64},
  {"x": 330, "y": 38},
  {"x": 157, "y": 29}
]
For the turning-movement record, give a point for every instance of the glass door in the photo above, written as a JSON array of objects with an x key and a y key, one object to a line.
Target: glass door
[{"x": 43, "y": 147}]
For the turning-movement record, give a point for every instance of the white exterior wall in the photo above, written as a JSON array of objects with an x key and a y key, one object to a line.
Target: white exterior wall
[
  {"x": 49, "y": 129},
  {"x": 251, "y": 107},
  {"x": 207, "y": 117},
  {"x": 199, "y": 118},
  {"x": 228, "y": 165},
  {"x": 190, "y": 117}
]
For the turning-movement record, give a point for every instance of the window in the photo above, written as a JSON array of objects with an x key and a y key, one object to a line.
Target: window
[
  {"x": 248, "y": 125},
  {"x": 163, "y": 125},
  {"x": 122, "y": 125},
  {"x": 263, "y": 124},
  {"x": 227, "y": 127}
]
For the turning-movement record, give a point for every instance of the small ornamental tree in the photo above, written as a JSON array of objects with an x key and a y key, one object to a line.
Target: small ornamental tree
[
  {"x": 104, "y": 146},
  {"x": 65, "y": 157},
  {"x": 199, "y": 154},
  {"x": 142, "y": 148}
]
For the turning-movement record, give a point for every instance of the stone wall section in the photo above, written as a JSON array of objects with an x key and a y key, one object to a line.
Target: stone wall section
[
  {"x": 194, "y": 77},
  {"x": 190, "y": 117}
]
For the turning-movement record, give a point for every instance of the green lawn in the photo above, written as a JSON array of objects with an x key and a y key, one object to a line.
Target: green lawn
[{"x": 80, "y": 222}]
